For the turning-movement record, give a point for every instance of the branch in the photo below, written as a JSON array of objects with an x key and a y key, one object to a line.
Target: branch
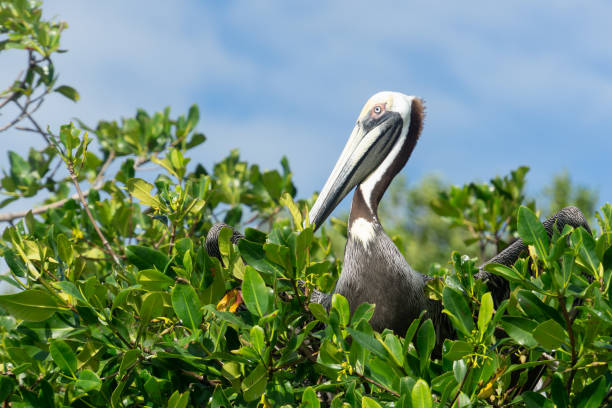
[
  {"x": 28, "y": 114},
  {"x": 97, "y": 184},
  {"x": 91, "y": 218},
  {"x": 570, "y": 332},
  {"x": 462, "y": 384}
]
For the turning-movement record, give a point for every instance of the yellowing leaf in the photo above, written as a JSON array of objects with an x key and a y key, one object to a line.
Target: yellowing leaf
[{"x": 142, "y": 191}]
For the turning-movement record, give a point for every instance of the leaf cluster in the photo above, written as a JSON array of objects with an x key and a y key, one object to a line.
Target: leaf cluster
[{"x": 117, "y": 303}]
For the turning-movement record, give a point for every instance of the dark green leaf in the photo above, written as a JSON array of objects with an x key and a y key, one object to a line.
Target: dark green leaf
[
  {"x": 558, "y": 391},
  {"x": 532, "y": 232},
  {"x": 146, "y": 258},
  {"x": 153, "y": 280},
  {"x": 7, "y": 384},
  {"x": 63, "y": 356},
  {"x": 460, "y": 312},
  {"x": 426, "y": 340},
  {"x": 187, "y": 305},
  {"x": 520, "y": 329}
]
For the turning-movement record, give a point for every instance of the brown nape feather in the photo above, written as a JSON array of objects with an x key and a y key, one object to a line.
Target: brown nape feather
[{"x": 417, "y": 116}]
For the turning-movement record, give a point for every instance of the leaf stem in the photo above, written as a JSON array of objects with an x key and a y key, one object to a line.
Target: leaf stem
[
  {"x": 570, "y": 332},
  {"x": 379, "y": 385},
  {"x": 462, "y": 384}
]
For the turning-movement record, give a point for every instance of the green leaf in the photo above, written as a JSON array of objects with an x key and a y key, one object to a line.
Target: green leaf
[
  {"x": 153, "y": 280},
  {"x": 142, "y": 191},
  {"x": 19, "y": 167},
  {"x": 152, "y": 306},
  {"x": 88, "y": 381},
  {"x": 550, "y": 334},
  {"x": 532, "y": 232},
  {"x": 504, "y": 271},
  {"x": 215, "y": 290},
  {"x": 364, "y": 311},
  {"x": 459, "y": 370},
  {"x": 460, "y": 312},
  {"x": 273, "y": 182},
  {"x": 558, "y": 391},
  {"x": 68, "y": 91},
  {"x": 255, "y": 383},
  {"x": 592, "y": 395},
  {"x": 146, "y": 258},
  {"x": 425, "y": 342},
  {"x": 340, "y": 304},
  {"x": 187, "y": 305},
  {"x": 520, "y": 329},
  {"x": 30, "y": 305},
  {"x": 116, "y": 395},
  {"x": 129, "y": 358},
  {"x": 369, "y": 342},
  {"x": 536, "y": 309},
  {"x": 255, "y": 256},
  {"x": 310, "y": 399},
  {"x": 7, "y": 384},
  {"x": 15, "y": 263},
  {"x": 63, "y": 356},
  {"x": 584, "y": 243},
  {"x": 421, "y": 395},
  {"x": 257, "y": 337},
  {"x": 178, "y": 400},
  {"x": 367, "y": 402},
  {"x": 288, "y": 202},
  {"x": 255, "y": 293},
  {"x": 64, "y": 248},
  {"x": 486, "y": 311},
  {"x": 458, "y": 349},
  {"x": 318, "y": 311}
]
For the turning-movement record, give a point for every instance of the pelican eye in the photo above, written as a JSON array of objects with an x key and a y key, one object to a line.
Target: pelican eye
[{"x": 377, "y": 110}]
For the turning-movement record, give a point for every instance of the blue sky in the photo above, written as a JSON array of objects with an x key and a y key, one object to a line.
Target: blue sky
[{"x": 505, "y": 83}]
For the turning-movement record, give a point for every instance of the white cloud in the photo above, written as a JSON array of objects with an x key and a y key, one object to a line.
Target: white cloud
[{"x": 516, "y": 76}]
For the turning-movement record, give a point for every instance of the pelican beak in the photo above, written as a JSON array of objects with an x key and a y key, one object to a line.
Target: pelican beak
[{"x": 369, "y": 144}]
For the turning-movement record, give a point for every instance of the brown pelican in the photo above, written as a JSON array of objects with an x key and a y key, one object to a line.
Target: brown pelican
[{"x": 374, "y": 270}]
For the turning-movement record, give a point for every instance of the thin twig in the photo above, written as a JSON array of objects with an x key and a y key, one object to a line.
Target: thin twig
[
  {"x": 172, "y": 237},
  {"x": 570, "y": 332},
  {"x": 379, "y": 385},
  {"x": 462, "y": 384},
  {"x": 28, "y": 114},
  {"x": 91, "y": 218}
]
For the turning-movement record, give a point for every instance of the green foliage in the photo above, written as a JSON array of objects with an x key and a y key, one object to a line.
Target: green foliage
[
  {"x": 118, "y": 304},
  {"x": 563, "y": 192}
]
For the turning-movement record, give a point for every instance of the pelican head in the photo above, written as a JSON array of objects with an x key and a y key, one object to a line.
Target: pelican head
[{"x": 381, "y": 142}]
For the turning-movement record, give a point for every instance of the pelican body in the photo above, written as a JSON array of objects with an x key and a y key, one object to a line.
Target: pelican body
[{"x": 374, "y": 270}]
